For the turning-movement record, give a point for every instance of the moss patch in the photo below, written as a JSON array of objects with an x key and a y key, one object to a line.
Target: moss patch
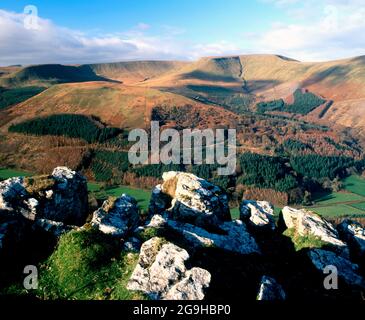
[
  {"x": 87, "y": 265},
  {"x": 301, "y": 242},
  {"x": 39, "y": 184}
]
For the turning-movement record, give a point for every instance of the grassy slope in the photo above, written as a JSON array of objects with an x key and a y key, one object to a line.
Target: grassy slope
[
  {"x": 272, "y": 77},
  {"x": 142, "y": 196},
  {"x": 115, "y": 104},
  {"x": 355, "y": 185},
  {"x": 9, "y": 173},
  {"x": 349, "y": 202},
  {"x": 133, "y": 72},
  {"x": 46, "y": 75}
]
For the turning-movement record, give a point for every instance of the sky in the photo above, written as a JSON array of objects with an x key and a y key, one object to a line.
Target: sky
[{"x": 90, "y": 31}]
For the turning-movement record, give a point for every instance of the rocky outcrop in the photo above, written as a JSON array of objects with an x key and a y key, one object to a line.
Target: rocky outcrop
[
  {"x": 159, "y": 201},
  {"x": 56, "y": 229},
  {"x": 270, "y": 290},
  {"x": 354, "y": 235},
  {"x": 192, "y": 200},
  {"x": 346, "y": 269},
  {"x": 161, "y": 273},
  {"x": 12, "y": 192},
  {"x": 60, "y": 197},
  {"x": 67, "y": 201},
  {"x": 258, "y": 213},
  {"x": 117, "y": 216},
  {"x": 234, "y": 236},
  {"x": 305, "y": 223},
  {"x": 132, "y": 244}
]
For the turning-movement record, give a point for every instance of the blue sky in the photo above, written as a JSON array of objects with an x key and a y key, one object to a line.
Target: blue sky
[{"x": 113, "y": 30}]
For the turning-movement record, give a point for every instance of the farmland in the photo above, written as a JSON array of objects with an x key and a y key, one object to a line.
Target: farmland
[{"x": 350, "y": 201}]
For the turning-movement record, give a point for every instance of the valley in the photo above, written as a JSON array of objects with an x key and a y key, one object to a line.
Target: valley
[{"x": 288, "y": 114}]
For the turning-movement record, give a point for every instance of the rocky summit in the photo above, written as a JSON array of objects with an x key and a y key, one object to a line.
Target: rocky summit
[{"x": 187, "y": 247}]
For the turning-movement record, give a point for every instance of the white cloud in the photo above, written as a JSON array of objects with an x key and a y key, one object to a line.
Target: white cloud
[
  {"x": 337, "y": 32},
  {"x": 329, "y": 29}
]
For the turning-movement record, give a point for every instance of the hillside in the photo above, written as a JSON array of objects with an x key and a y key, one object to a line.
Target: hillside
[
  {"x": 239, "y": 82},
  {"x": 133, "y": 72},
  {"x": 115, "y": 104},
  {"x": 46, "y": 75}
]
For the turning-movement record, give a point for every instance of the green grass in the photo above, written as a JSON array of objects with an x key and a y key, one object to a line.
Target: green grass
[
  {"x": 87, "y": 265},
  {"x": 10, "y": 173},
  {"x": 338, "y": 210},
  {"x": 142, "y": 196},
  {"x": 301, "y": 242},
  {"x": 337, "y": 197},
  {"x": 339, "y": 204},
  {"x": 355, "y": 184},
  {"x": 360, "y": 206}
]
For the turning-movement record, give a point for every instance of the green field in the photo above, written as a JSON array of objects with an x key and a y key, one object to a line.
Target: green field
[
  {"x": 351, "y": 201},
  {"x": 337, "y": 197},
  {"x": 142, "y": 196},
  {"x": 355, "y": 184},
  {"x": 337, "y": 210},
  {"x": 9, "y": 173}
]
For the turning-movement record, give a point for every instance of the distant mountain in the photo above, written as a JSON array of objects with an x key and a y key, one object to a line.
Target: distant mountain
[
  {"x": 49, "y": 74},
  {"x": 132, "y": 72}
]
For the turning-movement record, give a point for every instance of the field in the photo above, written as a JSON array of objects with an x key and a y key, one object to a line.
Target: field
[
  {"x": 142, "y": 196},
  {"x": 9, "y": 173},
  {"x": 355, "y": 185},
  {"x": 350, "y": 201}
]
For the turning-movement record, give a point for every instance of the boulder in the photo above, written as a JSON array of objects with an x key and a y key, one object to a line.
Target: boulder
[
  {"x": 234, "y": 236},
  {"x": 354, "y": 233},
  {"x": 132, "y": 244},
  {"x": 56, "y": 229},
  {"x": 161, "y": 273},
  {"x": 346, "y": 269},
  {"x": 159, "y": 201},
  {"x": 193, "y": 200},
  {"x": 157, "y": 221},
  {"x": 117, "y": 216},
  {"x": 306, "y": 222},
  {"x": 60, "y": 197},
  {"x": 67, "y": 201},
  {"x": 270, "y": 290},
  {"x": 12, "y": 193},
  {"x": 259, "y": 213}
]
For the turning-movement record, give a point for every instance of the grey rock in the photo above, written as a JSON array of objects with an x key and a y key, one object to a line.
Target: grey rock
[
  {"x": 57, "y": 229},
  {"x": 270, "y": 290},
  {"x": 354, "y": 233},
  {"x": 60, "y": 197},
  {"x": 117, "y": 217},
  {"x": 161, "y": 273},
  {"x": 193, "y": 200},
  {"x": 306, "y": 222},
  {"x": 12, "y": 192},
  {"x": 346, "y": 269},
  {"x": 259, "y": 213},
  {"x": 234, "y": 236},
  {"x": 67, "y": 201},
  {"x": 132, "y": 244}
]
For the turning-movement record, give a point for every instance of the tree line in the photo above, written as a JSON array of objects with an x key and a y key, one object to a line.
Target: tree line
[{"x": 69, "y": 125}]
